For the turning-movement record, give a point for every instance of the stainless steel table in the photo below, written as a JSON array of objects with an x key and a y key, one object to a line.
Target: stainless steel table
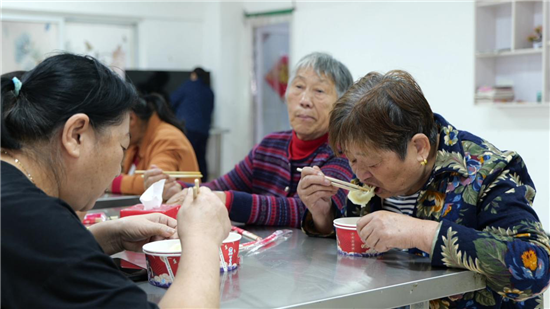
[
  {"x": 110, "y": 200},
  {"x": 307, "y": 272}
]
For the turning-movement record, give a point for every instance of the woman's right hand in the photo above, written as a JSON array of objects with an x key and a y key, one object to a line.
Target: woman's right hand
[
  {"x": 203, "y": 224},
  {"x": 316, "y": 192},
  {"x": 204, "y": 218},
  {"x": 154, "y": 174}
]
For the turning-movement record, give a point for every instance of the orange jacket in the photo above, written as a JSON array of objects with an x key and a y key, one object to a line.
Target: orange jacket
[{"x": 164, "y": 146}]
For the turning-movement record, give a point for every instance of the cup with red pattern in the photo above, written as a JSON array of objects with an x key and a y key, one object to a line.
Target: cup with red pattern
[
  {"x": 163, "y": 258},
  {"x": 348, "y": 240}
]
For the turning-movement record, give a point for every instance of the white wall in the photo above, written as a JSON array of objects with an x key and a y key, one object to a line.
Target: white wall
[
  {"x": 227, "y": 52},
  {"x": 169, "y": 33},
  {"x": 435, "y": 43}
]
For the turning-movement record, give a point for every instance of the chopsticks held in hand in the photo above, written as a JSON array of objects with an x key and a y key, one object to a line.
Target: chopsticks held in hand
[
  {"x": 175, "y": 174},
  {"x": 196, "y": 189},
  {"x": 342, "y": 184}
]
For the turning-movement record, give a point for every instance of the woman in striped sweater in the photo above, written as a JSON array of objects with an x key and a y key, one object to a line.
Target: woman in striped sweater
[{"x": 261, "y": 189}]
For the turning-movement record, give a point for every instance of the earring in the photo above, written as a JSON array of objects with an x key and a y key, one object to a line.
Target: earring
[{"x": 423, "y": 163}]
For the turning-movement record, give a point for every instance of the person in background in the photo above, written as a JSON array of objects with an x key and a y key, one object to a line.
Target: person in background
[
  {"x": 65, "y": 127},
  {"x": 446, "y": 192},
  {"x": 156, "y": 138},
  {"x": 261, "y": 189},
  {"x": 193, "y": 103}
]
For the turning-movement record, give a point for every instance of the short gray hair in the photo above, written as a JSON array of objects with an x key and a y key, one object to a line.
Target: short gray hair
[{"x": 325, "y": 64}]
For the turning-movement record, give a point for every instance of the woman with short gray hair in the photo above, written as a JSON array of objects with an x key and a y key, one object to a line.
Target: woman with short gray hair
[{"x": 261, "y": 189}]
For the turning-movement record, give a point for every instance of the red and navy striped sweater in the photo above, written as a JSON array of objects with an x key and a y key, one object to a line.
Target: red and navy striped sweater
[{"x": 261, "y": 189}]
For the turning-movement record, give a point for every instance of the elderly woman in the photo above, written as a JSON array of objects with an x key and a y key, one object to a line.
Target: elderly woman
[
  {"x": 158, "y": 138},
  {"x": 438, "y": 189},
  {"x": 65, "y": 127},
  {"x": 262, "y": 187}
]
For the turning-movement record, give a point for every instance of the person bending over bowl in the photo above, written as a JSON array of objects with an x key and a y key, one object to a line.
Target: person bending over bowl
[
  {"x": 158, "y": 138},
  {"x": 65, "y": 128},
  {"x": 446, "y": 192}
]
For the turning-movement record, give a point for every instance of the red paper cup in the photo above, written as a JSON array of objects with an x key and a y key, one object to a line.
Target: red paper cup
[
  {"x": 348, "y": 240},
  {"x": 230, "y": 252},
  {"x": 163, "y": 258}
]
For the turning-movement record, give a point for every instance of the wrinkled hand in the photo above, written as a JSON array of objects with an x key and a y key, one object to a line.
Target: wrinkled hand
[
  {"x": 136, "y": 231},
  {"x": 204, "y": 218},
  {"x": 154, "y": 174},
  {"x": 316, "y": 192},
  {"x": 385, "y": 230}
]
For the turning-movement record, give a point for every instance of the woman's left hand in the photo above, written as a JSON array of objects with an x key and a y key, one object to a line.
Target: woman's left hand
[
  {"x": 385, "y": 230},
  {"x": 131, "y": 233},
  {"x": 136, "y": 231}
]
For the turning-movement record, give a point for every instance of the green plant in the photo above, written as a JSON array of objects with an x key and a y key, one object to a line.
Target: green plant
[{"x": 537, "y": 37}]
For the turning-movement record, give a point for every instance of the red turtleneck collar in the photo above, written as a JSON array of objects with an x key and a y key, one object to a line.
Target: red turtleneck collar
[{"x": 299, "y": 149}]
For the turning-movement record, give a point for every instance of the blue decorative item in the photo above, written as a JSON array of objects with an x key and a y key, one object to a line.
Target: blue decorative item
[{"x": 17, "y": 85}]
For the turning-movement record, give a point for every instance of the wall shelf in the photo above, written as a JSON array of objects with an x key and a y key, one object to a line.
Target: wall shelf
[
  {"x": 523, "y": 51},
  {"x": 505, "y": 57},
  {"x": 513, "y": 104}
]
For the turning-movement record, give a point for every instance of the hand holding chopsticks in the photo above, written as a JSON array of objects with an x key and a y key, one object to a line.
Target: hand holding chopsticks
[
  {"x": 342, "y": 184},
  {"x": 196, "y": 189}
]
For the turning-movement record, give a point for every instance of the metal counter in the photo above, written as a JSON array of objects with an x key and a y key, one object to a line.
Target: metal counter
[
  {"x": 308, "y": 272},
  {"x": 110, "y": 200}
]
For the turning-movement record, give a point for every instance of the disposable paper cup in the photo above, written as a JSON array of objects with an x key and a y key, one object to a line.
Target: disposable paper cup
[
  {"x": 230, "y": 251},
  {"x": 348, "y": 240},
  {"x": 162, "y": 261},
  {"x": 163, "y": 258}
]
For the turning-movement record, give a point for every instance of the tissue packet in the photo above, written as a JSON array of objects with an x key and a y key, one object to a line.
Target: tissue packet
[
  {"x": 139, "y": 209},
  {"x": 151, "y": 201}
]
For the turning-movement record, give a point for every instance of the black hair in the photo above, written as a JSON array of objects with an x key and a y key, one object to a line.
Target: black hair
[
  {"x": 58, "y": 88},
  {"x": 147, "y": 104},
  {"x": 202, "y": 75}
]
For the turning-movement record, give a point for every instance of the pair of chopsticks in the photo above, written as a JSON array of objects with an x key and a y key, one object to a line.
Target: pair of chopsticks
[
  {"x": 342, "y": 184},
  {"x": 196, "y": 190},
  {"x": 246, "y": 234},
  {"x": 175, "y": 174}
]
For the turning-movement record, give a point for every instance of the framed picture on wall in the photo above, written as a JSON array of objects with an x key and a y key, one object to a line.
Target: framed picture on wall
[
  {"x": 26, "y": 41},
  {"x": 112, "y": 44}
]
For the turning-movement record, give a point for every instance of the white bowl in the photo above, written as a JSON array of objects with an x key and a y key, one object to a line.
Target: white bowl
[{"x": 348, "y": 222}]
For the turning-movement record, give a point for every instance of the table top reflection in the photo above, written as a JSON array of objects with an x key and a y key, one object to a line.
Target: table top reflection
[{"x": 308, "y": 272}]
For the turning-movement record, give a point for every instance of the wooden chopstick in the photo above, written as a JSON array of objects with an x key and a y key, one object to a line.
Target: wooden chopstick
[
  {"x": 176, "y": 174},
  {"x": 342, "y": 184},
  {"x": 196, "y": 189},
  {"x": 245, "y": 233}
]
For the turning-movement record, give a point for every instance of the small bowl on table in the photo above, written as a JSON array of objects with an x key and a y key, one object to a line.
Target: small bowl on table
[
  {"x": 348, "y": 241},
  {"x": 163, "y": 258}
]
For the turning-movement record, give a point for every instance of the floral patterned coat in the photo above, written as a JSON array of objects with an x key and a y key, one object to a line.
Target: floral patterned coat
[{"x": 483, "y": 197}]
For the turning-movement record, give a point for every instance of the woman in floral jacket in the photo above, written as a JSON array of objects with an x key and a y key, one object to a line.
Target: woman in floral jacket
[{"x": 471, "y": 202}]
